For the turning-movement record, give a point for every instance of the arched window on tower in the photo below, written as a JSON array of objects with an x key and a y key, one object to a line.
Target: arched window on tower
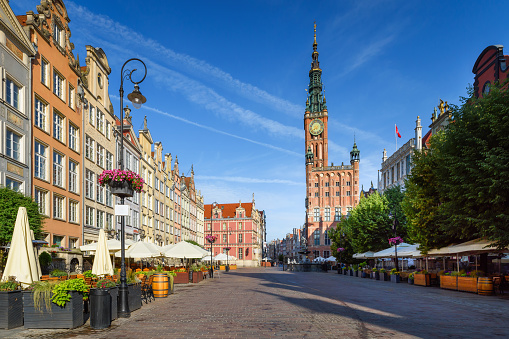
[{"x": 316, "y": 237}]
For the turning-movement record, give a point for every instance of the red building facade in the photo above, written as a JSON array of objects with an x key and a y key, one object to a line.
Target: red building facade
[
  {"x": 490, "y": 67},
  {"x": 331, "y": 191}
]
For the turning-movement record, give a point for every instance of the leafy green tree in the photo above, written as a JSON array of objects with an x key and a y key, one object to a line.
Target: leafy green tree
[
  {"x": 368, "y": 227},
  {"x": 395, "y": 197},
  {"x": 339, "y": 240},
  {"x": 474, "y": 175},
  {"x": 10, "y": 201}
]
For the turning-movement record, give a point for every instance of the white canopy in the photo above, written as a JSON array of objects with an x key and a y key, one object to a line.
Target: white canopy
[
  {"x": 21, "y": 261},
  {"x": 331, "y": 258},
  {"x": 142, "y": 249},
  {"x": 410, "y": 251},
  {"x": 480, "y": 245},
  {"x": 114, "y": 245},
  {"x": 390, "y": 252},
  {"x": 267, "y": 259},
  {"x": 365, "y": 255},
  {"x": 319, "y": 259},
  {"x": 102, "y": 262},
  {"x": 224, "y": 257},
  {"x": 184, "y": 249}
]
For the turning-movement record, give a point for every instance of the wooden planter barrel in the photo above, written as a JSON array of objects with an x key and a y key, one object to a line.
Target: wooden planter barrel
[
  {"x": 422, "y": 279},
  {"x": 485, "y": 286},
  {"x": 160, "y": 285},
  {"x": 11, "y": 309},
  {"x": 449, "y": 282},
  {"x": 467, "y": 284}
]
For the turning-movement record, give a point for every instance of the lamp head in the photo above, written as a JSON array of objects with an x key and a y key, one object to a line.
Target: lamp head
[{"x": 136, "y": 97}]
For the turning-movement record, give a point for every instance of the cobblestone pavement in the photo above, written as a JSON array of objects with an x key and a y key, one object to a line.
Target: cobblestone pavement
[{"x": 267, "y": 302}]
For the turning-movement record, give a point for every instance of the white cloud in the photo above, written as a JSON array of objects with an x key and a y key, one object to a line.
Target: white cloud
[{"x": 252, "y": 180}]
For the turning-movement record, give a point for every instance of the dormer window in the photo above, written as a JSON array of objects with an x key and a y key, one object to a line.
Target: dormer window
[{"x": 58, "y": 35}]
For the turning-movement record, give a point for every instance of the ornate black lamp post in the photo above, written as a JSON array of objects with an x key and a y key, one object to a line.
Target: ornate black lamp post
[
  {"x": 228, "y": 233},
  {"x": 395, "y": 223},
  {"x": 211, "y": 238},
  {"x": 137, "y": 100}
]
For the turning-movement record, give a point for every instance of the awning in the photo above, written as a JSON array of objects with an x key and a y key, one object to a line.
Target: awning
[{"x": 481, "y": 245}]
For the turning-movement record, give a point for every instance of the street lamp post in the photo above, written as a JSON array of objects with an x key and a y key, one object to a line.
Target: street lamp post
[
  {"x": 394, "y": 227},
  {"x": 228, "y": 233},
  {"x": 214, "y": 204},
  {"x": 137, "y": 99}
]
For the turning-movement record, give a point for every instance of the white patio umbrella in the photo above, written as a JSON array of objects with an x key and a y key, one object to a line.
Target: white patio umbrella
[
  {"x": 319, "y": 259},
  {"x": 184, "y": 249},
  {"x": 21, "y": 262},
  {"x": 114, "y": 245},
  {"x": 224, "y": 257},
  {"x": 142, "y": 249},
  {"x": 102, "y": 262},
  {"x": 390, "y": 252},
  {"x": 331, "y": 258},
  {"x": 365, "y": 255}
]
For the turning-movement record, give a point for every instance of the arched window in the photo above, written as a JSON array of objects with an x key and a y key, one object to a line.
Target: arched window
[{"x": 316, "y": 237}]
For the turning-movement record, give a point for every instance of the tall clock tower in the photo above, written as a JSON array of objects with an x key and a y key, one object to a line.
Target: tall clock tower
[{"x": 331, "y": 190}]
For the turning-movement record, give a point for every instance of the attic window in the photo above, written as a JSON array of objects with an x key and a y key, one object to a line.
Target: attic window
[
  {"x": 58, "y": 34},
  {"x": 100, "y": 80}
]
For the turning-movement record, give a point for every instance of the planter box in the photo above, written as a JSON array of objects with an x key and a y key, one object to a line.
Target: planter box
[
  {"x": 422, "y": 279},
  {"x": 113, "y": 291},
  {"x": 395, "y": 278},
  {"x": 11, "y": 306},
  {"x": 449, "y": 282},
  {"x": 384, "y": 276},
  {"x": 375, "y": 275},
  {"x": 467, "y": 284},
  {"x": 234, "y": 267},
  {"x": 356, "y": 273},
  {"x": 365, "y": 275},
  {"x": 351, "y": 272},
  {"x": 69, "y": 316},
  {"x": 181, "y": 278},
  {"x": 197, "y": 277},
  {"x": 222, "y": 267},
  {"x": 121, "y": 189},
  {"x": 134, "y": 298}
]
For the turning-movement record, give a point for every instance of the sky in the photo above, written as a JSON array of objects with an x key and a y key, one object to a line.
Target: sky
[{"x": 226, "y": 81}]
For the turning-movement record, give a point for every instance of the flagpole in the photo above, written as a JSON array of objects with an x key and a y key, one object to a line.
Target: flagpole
[{"x": 396, "y": 137}]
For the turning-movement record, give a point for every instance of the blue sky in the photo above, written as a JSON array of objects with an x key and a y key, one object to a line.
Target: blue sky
[{"x": 226, "y": 81}]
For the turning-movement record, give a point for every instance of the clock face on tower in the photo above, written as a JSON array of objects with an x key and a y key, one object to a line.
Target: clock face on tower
[{"x": 316, "y": 127}]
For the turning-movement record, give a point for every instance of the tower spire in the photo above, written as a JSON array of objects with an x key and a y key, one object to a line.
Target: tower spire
[{"x": 315, "y": 101}]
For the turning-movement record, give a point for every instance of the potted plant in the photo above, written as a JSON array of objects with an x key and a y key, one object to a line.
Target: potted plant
[
  {"x": 197, "y": 274},
  {"x": 182, "y": 276},
  {"x": 11, "y": 304},
  {"x": 103, "y": 304},
  {"x": 134, "y": 290},
  {"x": 375, "y": 274},
  {"x": 422, "y": 278},
  {"x": 411, "y": 278},
  {"x": 448, "y": 280},
  {"x": 58, "y": 273},
  {"x": 395, "y": 276},
  {"x": 211, "y": 238},
  {"x": 383, "y": 275},
  {"x": 57, "y": 304},
  {"x": 122, "y": 182}
]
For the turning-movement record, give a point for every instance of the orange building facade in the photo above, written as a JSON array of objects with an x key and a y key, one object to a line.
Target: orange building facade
[
  {"x": 57, "y": 124},
  {"x": 331, "y": 191}
]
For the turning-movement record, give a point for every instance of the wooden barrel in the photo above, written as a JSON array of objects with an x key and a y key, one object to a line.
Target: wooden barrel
[
  {"x": 485, "y": 286},
  {"x": 160, "y": 285}
]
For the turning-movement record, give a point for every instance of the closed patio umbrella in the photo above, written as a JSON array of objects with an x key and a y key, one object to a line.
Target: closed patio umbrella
[
  {"x": 102, "y": 262},
  {"x": 21, "y": 262}
]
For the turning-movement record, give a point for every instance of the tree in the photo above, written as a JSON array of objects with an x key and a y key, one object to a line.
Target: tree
[
  {"x": 10, "y": 201},
  {"x": 368, "y": 227},
  {"x": 475, "y": 174},
  {"x": 395, "y": 197},
  {"x": 339, "y": 240}
]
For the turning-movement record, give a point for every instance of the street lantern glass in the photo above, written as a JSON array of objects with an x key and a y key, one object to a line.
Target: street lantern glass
[{"x": 136, "y": 97}]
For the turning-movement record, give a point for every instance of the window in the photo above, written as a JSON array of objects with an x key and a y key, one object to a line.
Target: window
[
  {"x": 240, "y": 238},
  {"x": 408, "y": 164},
  {"x": 326, "y": 238},
  {"x": 337, "y": 193},
  {"x": 316, "y": 216},
  {"x": 58, "y": 207},
  {"x": 109, "y": 221},
  {"x": 89, "y": 148},
  {"x": 144, "y": 219},
  {"x": 326, "y": 184},
  {"x": 348, "y": 183},
  {"x": 13, "y": 145},
  {"x": 348, "y": 193},
  {"x": 58, "y": 85},
  {"x": 327, "y": 214},
  {"x": 109, "y": 161},
  {"x": 57, "y": 35},
  {"x": 14, "y": 185},
  {"x": 316, "y": 194},
  {"x": 316, "y": 237},
  {"x": 326, "y": 194},
  {"x": 108, "y": 130},
  {"x": 240, "y": 225},
  {"x": 58, "y": 126},
  {"x": 156, "y": 206},
  {"x": 40, "y": 161},
  {"x": 224, "y": 226},
  {"x": 316, "y": 184},
  {"x": 89, "y": 216},
  {"x": 161, "y": 186},
  {"x": 157, "y": 183},
  {"x": 136, "y": 198},
  {"x": 40, "y": 114},
  {"x": 100, "y": 121},
  {"x": 91, "y": 115},
  {"x": 12, "y": 93},
  {"x": 156, "y": 224},
  {"x": 136, "y": 218},
  {"x": 241, "y": 253},
  {"x": 100, "y": 193},
  {"x": 109, "y": 196},
  {"x": 337, "y": 183},
  {"x": 73, "y": 176},
  {"x": 149, "y": 201},
  {"x": 57, "y": 240},
  {"x": 71, "y": 96},
  {"x": 89, "y": 184},
  {"x": 74, "y": 139},
  {"x": 40, "y": 198},
  {"x": 44, "y": 72},
  {"x": 149, "y": 221},
  {"x": 100, "y": 219},
  {"x": 58, "y": 169},
  {"x": 167, "y": 212},
  {"x": 337, "y": 213},
  {"x": 73, "y": 211},
  {"x": 100, "y": 156}
]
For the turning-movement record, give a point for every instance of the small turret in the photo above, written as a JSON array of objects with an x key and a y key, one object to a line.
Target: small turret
[{"x": 355, "y": 153}]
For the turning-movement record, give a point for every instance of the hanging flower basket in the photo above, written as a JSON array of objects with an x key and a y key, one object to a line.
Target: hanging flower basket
[
  {"x": 123, "y": 183},
  {"x": 227, "y": 248},
  {"x": 395, "y": 241},
  {"x": 211, "y": 238}
]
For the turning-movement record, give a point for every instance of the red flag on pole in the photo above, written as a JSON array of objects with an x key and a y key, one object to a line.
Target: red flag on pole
[{"x": 397, "y": 132}]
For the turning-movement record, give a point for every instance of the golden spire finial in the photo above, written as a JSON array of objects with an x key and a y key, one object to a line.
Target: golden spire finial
[{"x": 315, "y": 33}]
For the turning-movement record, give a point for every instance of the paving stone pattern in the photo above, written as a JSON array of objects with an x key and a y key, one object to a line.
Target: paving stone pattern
[{"x": 269, "y": 302}]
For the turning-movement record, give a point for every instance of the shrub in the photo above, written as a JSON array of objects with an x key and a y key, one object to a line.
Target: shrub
[
  {"x": 58, "y": 273},
  {"x": 45, "y": 259}
]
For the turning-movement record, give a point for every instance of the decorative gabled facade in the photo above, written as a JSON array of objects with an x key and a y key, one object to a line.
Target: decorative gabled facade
[
  {"x": 331, "y": 191},
  {"x": 491, "y": 66},
  {"x": 16, "y": 51},
  {"x": 57, "y": 124},
  {"x": 99, "y": 144}
]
